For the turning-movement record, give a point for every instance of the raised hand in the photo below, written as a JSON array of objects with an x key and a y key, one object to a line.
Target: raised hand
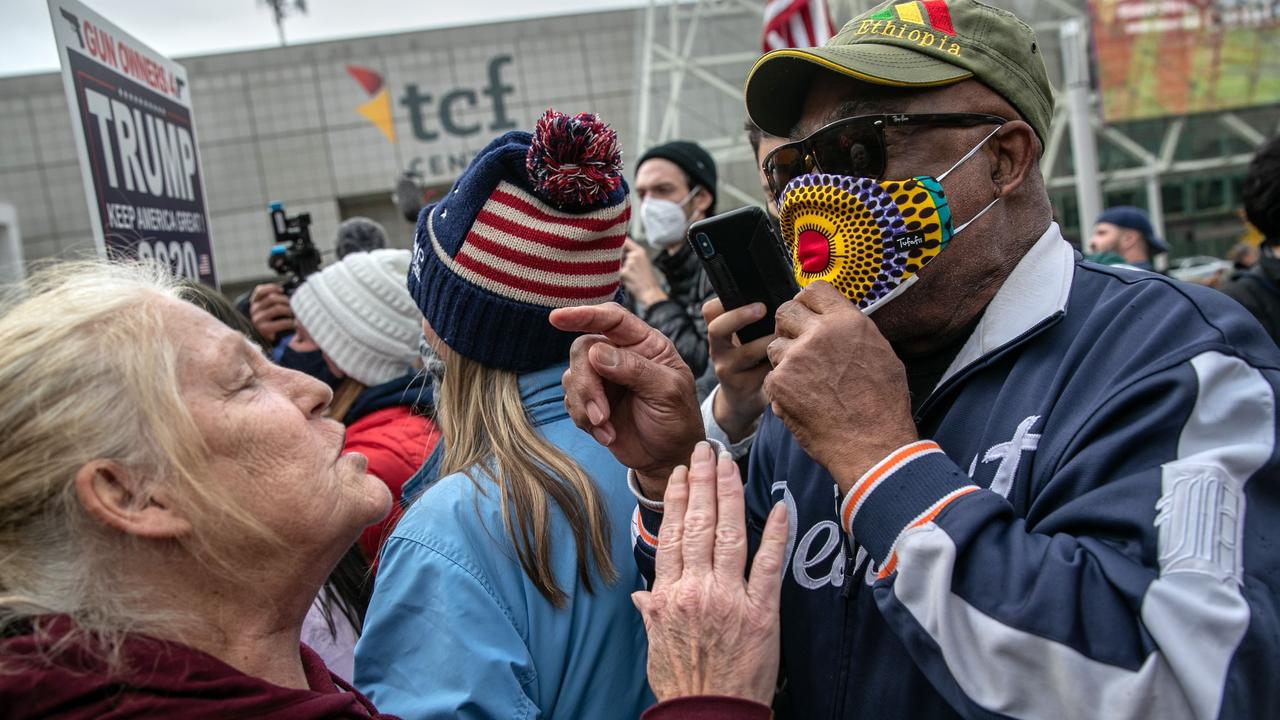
[
  {"x": 627, "y": 386},
  {"x": 269, "y": 311},
  {"x": 639, "y": 277},
  {"x": 712, "y": 632},
  {"x": 837, "y": 384}
]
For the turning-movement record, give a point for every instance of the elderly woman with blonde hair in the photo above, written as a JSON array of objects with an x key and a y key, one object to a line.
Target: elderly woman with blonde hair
[{"x": 170, "y": 504}]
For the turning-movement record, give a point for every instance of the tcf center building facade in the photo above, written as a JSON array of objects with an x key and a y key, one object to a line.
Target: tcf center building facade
[{"x": 327, "y": 128}]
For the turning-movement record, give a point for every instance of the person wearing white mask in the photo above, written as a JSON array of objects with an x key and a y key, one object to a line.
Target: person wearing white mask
[{"x": 676, "y": 186}]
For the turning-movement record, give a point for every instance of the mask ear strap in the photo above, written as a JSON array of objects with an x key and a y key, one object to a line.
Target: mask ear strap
[
  {"x": 970, "y": 221},
  {"x": 970, "y": 154}
]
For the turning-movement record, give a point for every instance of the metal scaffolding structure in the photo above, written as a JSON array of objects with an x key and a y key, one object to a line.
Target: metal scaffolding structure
[
  {"x": 675, "y": 60},
  {"x": 670, "y": 65}
]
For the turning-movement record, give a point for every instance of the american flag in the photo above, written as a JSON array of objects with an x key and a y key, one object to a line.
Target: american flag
[{"x": 796, "y": 23}]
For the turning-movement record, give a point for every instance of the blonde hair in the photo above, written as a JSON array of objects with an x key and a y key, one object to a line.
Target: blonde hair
[
  {"x": 486, "y": 433},
  {"x": 87, "y": 372}
]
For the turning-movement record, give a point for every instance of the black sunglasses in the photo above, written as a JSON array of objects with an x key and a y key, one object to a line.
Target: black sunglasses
[{"x": 853, "y": 146}]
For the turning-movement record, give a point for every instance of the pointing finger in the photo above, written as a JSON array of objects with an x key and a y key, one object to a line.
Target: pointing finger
[{"x": 610, "y": 320}]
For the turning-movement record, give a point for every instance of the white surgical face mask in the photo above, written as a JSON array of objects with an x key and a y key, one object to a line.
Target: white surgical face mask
[{"x": 664, "y": 221}]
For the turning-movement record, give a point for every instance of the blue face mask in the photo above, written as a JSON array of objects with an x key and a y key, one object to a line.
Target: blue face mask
[{"x": 311, "y": 363}]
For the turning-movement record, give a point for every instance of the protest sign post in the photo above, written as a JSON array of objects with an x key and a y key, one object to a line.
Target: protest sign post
[{"x": 131, "y": 117}]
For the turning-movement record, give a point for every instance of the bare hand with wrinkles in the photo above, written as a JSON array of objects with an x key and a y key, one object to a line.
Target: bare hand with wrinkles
[
  {"x": 837, "y": 384},
  {"x": 712, "y": 632}
]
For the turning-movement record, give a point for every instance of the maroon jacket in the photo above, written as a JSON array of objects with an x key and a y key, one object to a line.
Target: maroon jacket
[
  {"x": 160, "y": 680},
  {"x": 167, "y": 680},
  {"x": 708, "y": 707}
]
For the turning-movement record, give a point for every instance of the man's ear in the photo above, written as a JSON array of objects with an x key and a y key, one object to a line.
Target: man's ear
[
  {"x": 1130, "y": 238},
  {"x": 701, "y": 202},
  {"x": 115, "y": 496},
  {"x": 1017, "y": 152}
]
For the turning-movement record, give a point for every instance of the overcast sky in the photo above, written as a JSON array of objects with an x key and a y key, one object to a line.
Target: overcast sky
[{"x": 193, "y": 27}]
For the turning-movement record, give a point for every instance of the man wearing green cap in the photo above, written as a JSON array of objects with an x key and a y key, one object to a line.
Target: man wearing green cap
[{"x": 1018, "y": 484}]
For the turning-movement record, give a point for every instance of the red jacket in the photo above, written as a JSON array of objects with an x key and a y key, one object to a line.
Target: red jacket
[{"x": 397, "y": 442}]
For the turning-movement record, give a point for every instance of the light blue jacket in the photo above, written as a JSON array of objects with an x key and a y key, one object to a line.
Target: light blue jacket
[{"x": 456, "y": 629}]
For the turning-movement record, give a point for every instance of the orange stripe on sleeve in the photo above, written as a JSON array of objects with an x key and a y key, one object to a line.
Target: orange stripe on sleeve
[
  {"x": 861, "y": 487},
  {"x": 928, "y": 517},
  {"x": 644, "y": 534}
]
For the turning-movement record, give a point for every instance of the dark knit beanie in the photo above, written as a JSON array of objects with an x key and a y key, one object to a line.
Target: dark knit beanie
[
  {"x": 359, "y": 234},
  {"x": 693, "y": 160},
  {"x": 536, "y": 222}
]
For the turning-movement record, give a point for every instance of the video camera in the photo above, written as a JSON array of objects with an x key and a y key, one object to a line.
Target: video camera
[
  {"x": 410, "y": 195},
  {"x": 293, "y": 255}
]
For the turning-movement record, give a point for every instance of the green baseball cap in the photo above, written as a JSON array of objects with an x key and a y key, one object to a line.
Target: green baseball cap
[{"x": 913, "y": 45}]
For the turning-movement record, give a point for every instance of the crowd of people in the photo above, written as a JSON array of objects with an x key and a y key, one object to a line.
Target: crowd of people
[{"x": 528, "y": 470}]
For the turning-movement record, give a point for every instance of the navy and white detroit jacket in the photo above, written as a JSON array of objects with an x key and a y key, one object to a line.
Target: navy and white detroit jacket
[{"x": 1090, "y": 530}]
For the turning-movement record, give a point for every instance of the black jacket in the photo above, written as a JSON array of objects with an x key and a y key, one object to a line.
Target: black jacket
[
  {"x": 1258, "y": 289},
  {"x": 679, "y": 317}
]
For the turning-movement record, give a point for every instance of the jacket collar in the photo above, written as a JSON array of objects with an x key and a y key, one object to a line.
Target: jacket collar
[
  {"x": 1035, "y": 291},
  {"x": 542, "y": 394}
]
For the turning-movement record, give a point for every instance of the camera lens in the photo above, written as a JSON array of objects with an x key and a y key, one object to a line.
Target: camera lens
[{"x": 705, "y": 248}]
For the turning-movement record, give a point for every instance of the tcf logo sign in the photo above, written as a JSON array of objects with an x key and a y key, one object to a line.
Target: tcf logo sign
[{"x": 420, "y": 104}]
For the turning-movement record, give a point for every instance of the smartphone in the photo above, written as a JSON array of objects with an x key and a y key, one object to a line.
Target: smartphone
[{"x": 746, "y": 263}]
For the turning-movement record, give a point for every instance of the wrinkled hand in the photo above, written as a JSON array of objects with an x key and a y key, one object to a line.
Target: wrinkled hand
[
  {"x": 627, "y": 386},
  {"x": 638, "y": 276},
  {"x": 269, "y": 311},
  {"x": 837, "y": 384},
  {"x": 740, "y": 368},
  {"x": 710, "y": 631}
]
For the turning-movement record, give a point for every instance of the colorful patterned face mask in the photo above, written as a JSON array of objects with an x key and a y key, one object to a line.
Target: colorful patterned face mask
[{"x": 866, "y": 237}]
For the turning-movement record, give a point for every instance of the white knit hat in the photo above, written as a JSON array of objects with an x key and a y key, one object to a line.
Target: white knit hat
[{"x": 361, "y": 315}]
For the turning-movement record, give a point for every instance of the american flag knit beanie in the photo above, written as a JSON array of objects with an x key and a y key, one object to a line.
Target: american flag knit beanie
[{"x": 536, "y": 222}]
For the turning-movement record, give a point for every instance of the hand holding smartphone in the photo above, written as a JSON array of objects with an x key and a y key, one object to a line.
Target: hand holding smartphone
[{"x": 746, "y": 263}]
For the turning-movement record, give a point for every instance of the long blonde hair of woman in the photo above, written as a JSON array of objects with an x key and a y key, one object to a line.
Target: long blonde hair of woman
[{"x": 488, "y": 437}]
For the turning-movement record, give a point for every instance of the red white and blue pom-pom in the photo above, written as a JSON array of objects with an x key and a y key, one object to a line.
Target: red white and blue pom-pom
[{"x": 574, "y": 161}]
